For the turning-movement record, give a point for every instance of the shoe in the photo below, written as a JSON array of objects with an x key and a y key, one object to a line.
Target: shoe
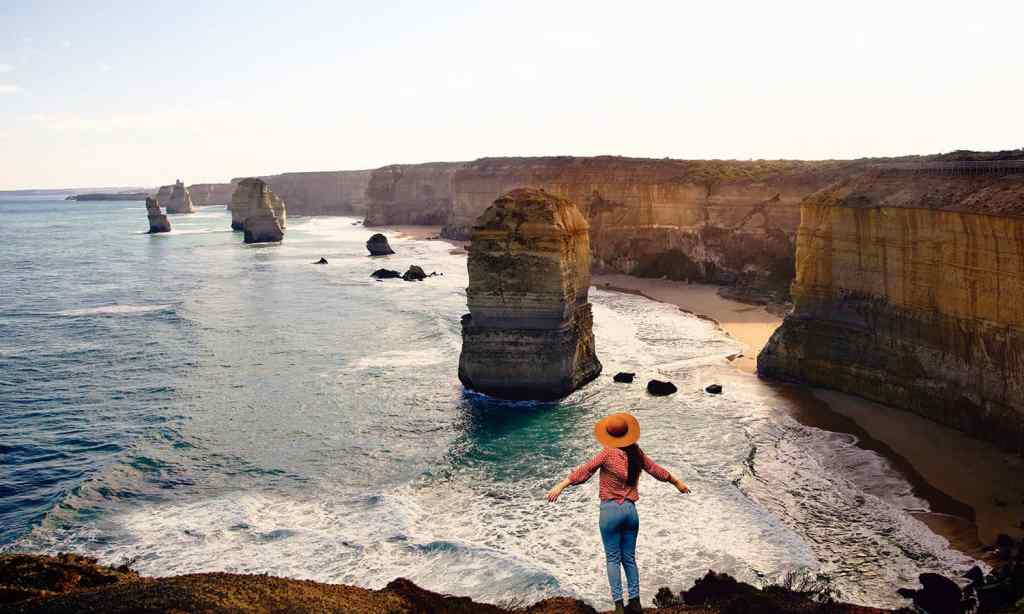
[
  {"x": 618, "y": 607},
  {"x": 634, "y": 606}
]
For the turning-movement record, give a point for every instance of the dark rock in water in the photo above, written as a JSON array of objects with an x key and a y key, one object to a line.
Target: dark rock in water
[
  {"x": 414, "y": 273},
  {"x": 659, "y": 388},
  {"x": 975, "y": 574},
  {"x": 714, "y": 389},
  {"x": 385, "y": 274},
  {"x": 157, "y": 219},
  {"x": 378, "y": 245},
  {"x": 938, "y": 595},
  {"x": 322, "y": 260},
  {"x": 624, "y": 378}
]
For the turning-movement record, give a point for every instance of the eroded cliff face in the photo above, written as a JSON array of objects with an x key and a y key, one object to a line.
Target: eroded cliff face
[
  {"x": 210, "y": 194},
  {"x": 717, "y": 221},
  {"x": 909, "y": 291},
  {"x": 322, "y": 193},
  {"x": 260, "y": 210},
  {"x": 528, "y": 333},
  {"x": 412, "y": 194}
]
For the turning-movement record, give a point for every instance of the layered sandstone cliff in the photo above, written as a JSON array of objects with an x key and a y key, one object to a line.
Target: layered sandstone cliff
[
  {"x": 528, "y": 333},
  {"x": 321, "y": 193},
  {"x": 716, "y": 221},
  {"x": 909, "y": 291},
  {"x": 211, "y": 194},
  {"x": 412, "y": 194},
  {"x": 158, "y": 222}
]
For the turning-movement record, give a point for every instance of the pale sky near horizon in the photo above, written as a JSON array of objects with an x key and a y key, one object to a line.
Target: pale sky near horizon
[{"x": 140, "y": 93}]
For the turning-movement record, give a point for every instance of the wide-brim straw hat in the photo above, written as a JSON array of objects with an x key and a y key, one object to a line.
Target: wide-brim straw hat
[{"x": 617, "y": 430}]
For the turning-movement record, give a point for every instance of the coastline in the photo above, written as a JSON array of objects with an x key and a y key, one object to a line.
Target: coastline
[
  {"x": 942, "y": 465},
  {"x": 974, "y": 490}
]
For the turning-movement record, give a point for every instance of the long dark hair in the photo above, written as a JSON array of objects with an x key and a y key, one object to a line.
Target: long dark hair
[{"x": 635, "y": 458}]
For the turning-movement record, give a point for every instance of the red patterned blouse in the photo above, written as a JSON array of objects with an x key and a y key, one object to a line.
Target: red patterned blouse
[{"x": 614, "y": 467}]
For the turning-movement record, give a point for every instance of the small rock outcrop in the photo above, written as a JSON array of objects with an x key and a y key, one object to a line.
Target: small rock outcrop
[
  {"x": 322, "y": 260},
  {"x": 414, "y": 273},
  {"x": 528, "y": 333},
  {"x": 158, "y": 222},
  {"x": 178, "y": 199},
  {"x": 714, "y": 389},
  {"x": 624, "y": 378},
  {"x": 659, "y": 388},
  {"x": 253, "y": 202},
  {"x": 378, "y": 245},
  {"x": 385, "y": 274}
]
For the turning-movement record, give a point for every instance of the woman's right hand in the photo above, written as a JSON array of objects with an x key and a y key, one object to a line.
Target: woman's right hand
[{"x": 683, "y": 488}]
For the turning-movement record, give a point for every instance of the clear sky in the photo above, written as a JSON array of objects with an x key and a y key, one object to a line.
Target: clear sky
[{"x": 143, "y": 92}]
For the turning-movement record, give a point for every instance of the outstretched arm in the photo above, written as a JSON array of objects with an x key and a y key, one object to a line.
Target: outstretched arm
[
  {"x": 659, "y": 473},
  {"x": 578, "y": 475}
]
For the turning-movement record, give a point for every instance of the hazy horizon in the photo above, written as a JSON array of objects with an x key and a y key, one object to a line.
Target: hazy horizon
[{"x": 108, "y": 94}]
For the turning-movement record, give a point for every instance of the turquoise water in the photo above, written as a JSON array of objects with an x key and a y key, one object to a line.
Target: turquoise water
[{"x": 199, "y": 404}]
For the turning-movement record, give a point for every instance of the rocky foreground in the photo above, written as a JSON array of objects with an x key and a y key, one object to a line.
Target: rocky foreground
[{"x": 71, "y": 583}]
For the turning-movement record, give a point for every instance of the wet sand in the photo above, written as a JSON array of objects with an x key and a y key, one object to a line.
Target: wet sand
[
  {"x": 751, "y": 325},
  {"x": 428, "y": 233},
  {"x": 974, "y": 490}
]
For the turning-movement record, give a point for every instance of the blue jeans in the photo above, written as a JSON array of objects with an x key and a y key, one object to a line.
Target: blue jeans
[{"x": 619, "y": 525}]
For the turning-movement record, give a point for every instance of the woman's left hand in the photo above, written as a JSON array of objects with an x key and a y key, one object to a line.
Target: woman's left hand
[{"x": 555, "y": 491}]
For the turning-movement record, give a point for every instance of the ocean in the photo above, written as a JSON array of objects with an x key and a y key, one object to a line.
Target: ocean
[{"x": 190, "y": 403}]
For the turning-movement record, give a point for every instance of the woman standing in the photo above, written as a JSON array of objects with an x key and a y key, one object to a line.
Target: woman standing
[{"x": 620, "y": 463}]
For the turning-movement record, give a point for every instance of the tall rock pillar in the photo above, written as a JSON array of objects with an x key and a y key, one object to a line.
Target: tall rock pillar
[
  {"x": 254, "y": 209},
  {"x": 180, "y": 200},
  {"x": 158, "y": 222},
  {"x": 529, "y": 330}
]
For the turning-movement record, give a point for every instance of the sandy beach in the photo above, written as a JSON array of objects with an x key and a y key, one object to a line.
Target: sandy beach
[
  {"x": 428, "y": 233},
  {"x": 974, "y": 489},
  {"x": 752, "y": 325}
]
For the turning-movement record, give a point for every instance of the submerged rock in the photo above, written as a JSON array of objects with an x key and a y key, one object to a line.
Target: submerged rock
[
  {"x": 178, "y": 199},
  {"x": 253, "y": 201},
  {"x": 385, "y": 274},
  {"x": 624, "y": 378},
  {"x": 378, "y": 245},
  {"x": 659, "y": 388},
  {"x": 414, "y": 273},
  {"x": 322, "y": 260},
  {"x": 158, "y": 222},
  {"x": 528, "y": 333}
]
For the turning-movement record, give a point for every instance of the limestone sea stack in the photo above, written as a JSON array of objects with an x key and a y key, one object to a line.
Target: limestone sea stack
[
  {"x": 528, "y": 333},
  {"x": 254, "y": 204},
  {"x": 179, "y": 199},
  {"x": 158, "y": 222}
]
